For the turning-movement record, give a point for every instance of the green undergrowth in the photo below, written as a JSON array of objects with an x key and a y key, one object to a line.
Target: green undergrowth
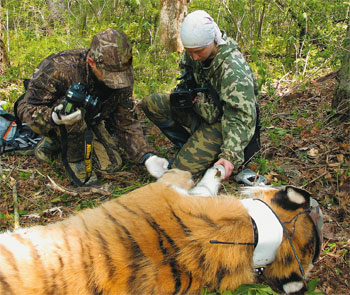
[{"x": 259, "y": 289}]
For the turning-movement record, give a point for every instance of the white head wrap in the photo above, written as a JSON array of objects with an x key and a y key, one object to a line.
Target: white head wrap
[{"x": 199, "y": 29}]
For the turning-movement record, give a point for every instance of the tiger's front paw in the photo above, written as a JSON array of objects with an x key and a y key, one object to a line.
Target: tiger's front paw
[{"x": 210, "y": 183}]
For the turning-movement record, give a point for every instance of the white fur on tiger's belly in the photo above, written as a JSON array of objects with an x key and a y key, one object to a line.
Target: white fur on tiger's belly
[
  {"x": 293, "y": 287},
  {"x": 180, "y": 190},
  {"x": 210, "y": 183}
]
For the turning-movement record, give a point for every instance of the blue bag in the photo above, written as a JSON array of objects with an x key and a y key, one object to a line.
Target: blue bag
[{"x": 15, "y": 135}]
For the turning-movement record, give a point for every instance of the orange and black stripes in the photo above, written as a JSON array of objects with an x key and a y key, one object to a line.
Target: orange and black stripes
[
  {"x": 185, "y": 229},
  {"x": 11, "y": 260},
  {"x": 61, "y": 275},
  {"x": 87, "y": 258},
  {"x": 137, "y": 258},
  {"x": 111, "y": 270},
  {"x": 205, "y": 218},
  {"x": 168, "y": 258},
  {"x": 5, "y": 286},
  {"x": 153, "y": 241},
  {"x": 39, "y": 268}
]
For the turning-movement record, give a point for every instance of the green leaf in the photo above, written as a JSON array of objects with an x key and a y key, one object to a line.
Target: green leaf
[{"x": 56, "y": 200}]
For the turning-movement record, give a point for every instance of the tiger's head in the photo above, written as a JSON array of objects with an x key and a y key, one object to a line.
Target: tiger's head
[{"x": 297, "y": 217}]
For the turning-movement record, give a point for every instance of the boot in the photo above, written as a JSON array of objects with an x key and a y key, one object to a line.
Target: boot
[
  {"x": 176, "y": 133},
  {"x": 254, "y": 145},
  {"x": 80, "y": 172},
  {"x": 47, "y": 149}
]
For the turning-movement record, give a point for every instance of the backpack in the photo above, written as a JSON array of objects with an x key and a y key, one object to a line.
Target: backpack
[{"x": 15, "y": 135}]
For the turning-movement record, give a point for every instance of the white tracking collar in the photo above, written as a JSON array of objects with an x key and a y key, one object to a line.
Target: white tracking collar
[{"x": 270, "y": 232}]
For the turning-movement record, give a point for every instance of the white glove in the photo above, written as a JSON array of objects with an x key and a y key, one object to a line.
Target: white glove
[
  {"x": 69, "y": 119},
  {"x": 156, "y": 166}
]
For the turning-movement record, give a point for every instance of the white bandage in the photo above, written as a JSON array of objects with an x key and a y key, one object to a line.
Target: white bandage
[
  {"x": 69, "y": 119},
  {"x": 199, "y": 29},
  {"x": 156, "y": 166}
]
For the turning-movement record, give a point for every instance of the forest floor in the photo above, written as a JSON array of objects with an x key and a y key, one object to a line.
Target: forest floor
[{"x": 304, "y": 143}]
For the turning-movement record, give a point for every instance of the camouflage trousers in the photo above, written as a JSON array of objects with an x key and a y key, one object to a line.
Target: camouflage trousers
[
  {"x": 203, "y": 146},
  {"x": 105, "y": 158},
  {"x": 105, "y": 153}
]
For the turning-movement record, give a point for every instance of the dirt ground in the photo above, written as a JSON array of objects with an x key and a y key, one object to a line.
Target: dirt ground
[
  {"x": 318, "y": 159},
  {"x": 304, "y": 144}
]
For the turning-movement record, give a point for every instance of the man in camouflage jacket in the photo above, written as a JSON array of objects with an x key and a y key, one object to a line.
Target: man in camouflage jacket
[
  {"x": 105, "y": 70},
  {"x": 221, "y": 122}
]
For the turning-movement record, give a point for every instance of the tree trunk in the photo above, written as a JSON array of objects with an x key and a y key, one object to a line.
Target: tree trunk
[
  {"x": 172, "y": 14},
  {"x": 56, "y": 7},
  {"x": 341, "y": 101},
  {"x": 4, "y": 61}
]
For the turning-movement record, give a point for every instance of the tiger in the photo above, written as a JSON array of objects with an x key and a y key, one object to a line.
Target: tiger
[{"x": 167, "y": 237}]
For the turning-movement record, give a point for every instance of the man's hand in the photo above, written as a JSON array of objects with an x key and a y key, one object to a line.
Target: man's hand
[
  {"x": 227, "y": 165},
  {"x": 69, "y": 119},
  {"x": 156, "y": 166}
]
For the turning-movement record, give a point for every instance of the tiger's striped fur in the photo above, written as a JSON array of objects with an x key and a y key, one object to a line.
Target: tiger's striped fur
[{"x": 154, "y": 240}]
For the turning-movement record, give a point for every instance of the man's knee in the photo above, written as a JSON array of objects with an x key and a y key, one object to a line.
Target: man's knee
[
  {"x": 194, "y": 160},
  {"x": 187, "y": 164},
  {"x": 156, "y": 103},
  {"x": 145, "y": 102},
  {"x": 151, "y": 102},
  {"x": 201, "y": 150}
]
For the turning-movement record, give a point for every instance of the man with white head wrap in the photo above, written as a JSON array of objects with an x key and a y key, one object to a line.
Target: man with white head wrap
[
  {"x": 220, "y": 126},
  {"x": 199, "y": 29}
]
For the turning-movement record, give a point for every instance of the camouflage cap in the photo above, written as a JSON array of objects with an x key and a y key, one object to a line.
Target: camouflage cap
[{"x": 112, "y": 52}]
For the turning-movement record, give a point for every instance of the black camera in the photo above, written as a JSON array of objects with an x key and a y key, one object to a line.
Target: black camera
[
  {"x": 182, "y": 97},
  {"x": 77, "y": 96}
]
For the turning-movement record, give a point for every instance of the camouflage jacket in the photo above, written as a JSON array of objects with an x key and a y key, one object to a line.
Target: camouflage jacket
[
  {"x": 48, "y": 87},
  {"x": 231, "y": 77}
]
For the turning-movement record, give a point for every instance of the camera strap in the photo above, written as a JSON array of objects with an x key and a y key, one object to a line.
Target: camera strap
[{"x": 88, "y": 136}]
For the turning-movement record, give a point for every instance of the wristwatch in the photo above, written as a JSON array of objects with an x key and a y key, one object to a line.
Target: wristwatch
[{"x": 145, "y": 157}]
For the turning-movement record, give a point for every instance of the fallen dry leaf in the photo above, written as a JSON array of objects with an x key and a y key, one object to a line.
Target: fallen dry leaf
[{"x": 312, "y": 153}]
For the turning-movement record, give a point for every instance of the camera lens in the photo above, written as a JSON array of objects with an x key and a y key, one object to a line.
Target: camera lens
[{"x": 90, "y": 101}]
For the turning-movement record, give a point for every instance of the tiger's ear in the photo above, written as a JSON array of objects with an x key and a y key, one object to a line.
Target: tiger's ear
[{"x": 292, "y": 198}]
